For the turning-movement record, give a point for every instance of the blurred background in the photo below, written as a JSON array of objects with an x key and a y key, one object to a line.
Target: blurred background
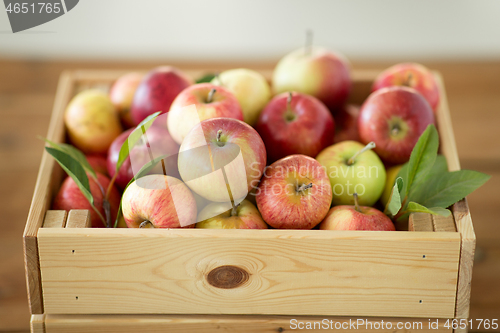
[{"x": 461, "y": 39}]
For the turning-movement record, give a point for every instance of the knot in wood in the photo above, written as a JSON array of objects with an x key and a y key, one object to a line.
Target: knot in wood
[{"x": 227, "y": 277}]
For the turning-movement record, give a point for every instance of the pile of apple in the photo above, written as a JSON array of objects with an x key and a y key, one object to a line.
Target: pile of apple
[{"x": 246, "y": 154}]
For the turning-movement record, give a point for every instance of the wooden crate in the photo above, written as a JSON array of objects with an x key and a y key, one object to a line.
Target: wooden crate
[{"x": 248, "y": 280}]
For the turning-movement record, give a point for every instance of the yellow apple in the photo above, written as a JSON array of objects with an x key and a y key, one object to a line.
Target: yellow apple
[
  {"x": 250, "y": 88},
  {"x": 92, "y": 121},
  {"x": 220, "y": 215},
  {"x": 392, "y": 173}
]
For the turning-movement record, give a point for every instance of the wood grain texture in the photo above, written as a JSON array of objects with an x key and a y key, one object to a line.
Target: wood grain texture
[
  {"x": 432, "y": 223},
  {"x": 55, "y": 219},
  {"x": 228, "y": 323},
  {"x": 78, "y": 218},
  {"x": 468, "y": 246},
  {"x": 37, "y": 323},
  {"x": 41, "y": 198},
  {"x": 91, "y": 271},
  {"x": 420, "y": 222}
]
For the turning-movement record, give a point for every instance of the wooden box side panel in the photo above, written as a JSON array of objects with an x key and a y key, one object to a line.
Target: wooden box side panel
[
  {"x": 48, "y": 179},
  {"x": 288, "y": 272}
]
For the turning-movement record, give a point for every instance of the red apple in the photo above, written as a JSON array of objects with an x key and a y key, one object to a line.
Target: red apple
[
  {"x": 122, "y": 93},
  {"x": 158, "y": 201},
  {"x": 98, "y": 163},
  {"x": 295, "y": 123},
  {"x": 222, "y": 159},
  {"x": 346, "y": 121},
  {"x": 70, "y": 197},
  {"x": 295, "y": 193},
  {"x": 394, "y": 118},
  {"x": 160, "y": 142},
  {"x": 314, "y": 71},
  {"x": 220, "y": 216},
  {"x": 410, "y": 75},
  {"x": 200, "y": 102},
  {"x": 157, "y": 91},
  {"x": 356, "y": 217}
]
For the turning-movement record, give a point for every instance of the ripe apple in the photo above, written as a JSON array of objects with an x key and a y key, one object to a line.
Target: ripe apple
[
  {"x": 222, "y": 159},
  {"x": 70, "y": 197},
  {"x": 295, "y": 123},
  {"x": 314, "y": 71},
  {"x": 92, "y": 122},
  {"x": 294, "y": 193},
  {"x": 158, "y": 201},
  {"x": 353, "y": 168},
  {"x": 394, "y": 118},
  {"x": 197, "y": 103},
  {"x": 122, "y": 93},
  {"x": 410, "y": 75},
  {"x": 160, "y": 143},
  {"x": 157, "y": 91},
  {"x": 220, "y": 215},
  {"x": 98, "y": 163},
  {"x": 250, "y": 89},
  {"x": 392, "y": 173},
  {"x": 346, "y": 121},
  {"x": 356, "y": 217}
]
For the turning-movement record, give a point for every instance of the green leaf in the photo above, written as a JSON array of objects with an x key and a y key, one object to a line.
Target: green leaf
[
  {"x": 420, "y": 191},
  {"x": 451, "y": 187},
  {"x": 74, "y": 169},
  {"x": 403, "y": 174},
  {"x": 394, "y": 204},
  {"x": 422, "y": 157},
  {"x": 414, "y": 207},
  {"x": 75, "y": 154},
  {"x": 133, "y": 138},
  {"x": 206, "y": 78}
]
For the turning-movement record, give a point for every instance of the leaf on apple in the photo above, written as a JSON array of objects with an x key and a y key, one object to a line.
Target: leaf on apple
[
  {"x": 444, "y": 189},
  {"x": 74, "y": 153},
  {"x": 76, "y": 171},
  {"x": 422, "y": 158},
  {"x": 394, "y": 204},
  {"x": 428, "y": 183},
  {"x": 206, "y": 78},
  {"x": 133, "y": 138},
  {"x": 414, "y": 207}
]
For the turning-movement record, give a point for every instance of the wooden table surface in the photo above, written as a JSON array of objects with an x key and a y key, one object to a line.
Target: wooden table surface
[{"x": 27, "y": 90}]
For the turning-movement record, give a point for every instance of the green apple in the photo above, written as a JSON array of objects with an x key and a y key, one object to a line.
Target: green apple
[
  {"x": 220, "y": 215},
  {"x": 392, "y": 173},
  {"x": 353, "y": 168},
  {"x": 250, "y": 88}
]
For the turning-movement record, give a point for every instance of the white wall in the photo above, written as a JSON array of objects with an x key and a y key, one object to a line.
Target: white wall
[{"x": 260, "y": 30}]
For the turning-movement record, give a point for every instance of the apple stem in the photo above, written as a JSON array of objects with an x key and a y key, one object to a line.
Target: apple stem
[
  {"x": 356, "y": 203},
  {"x": 144, "y": 224},
  {"x": 395, "y": 130},
  {"x": 219, "y": 135},
  {"x": 304, "y": 187},
  {"x": 406, "y": 83},
  {"x": 289, "y": 114},
  {"x": 309, "y": 39},
  {"x": 369, "y": 146},
  {"x": 234, "y": 210},
  {"x": 211, "y": 95}
]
